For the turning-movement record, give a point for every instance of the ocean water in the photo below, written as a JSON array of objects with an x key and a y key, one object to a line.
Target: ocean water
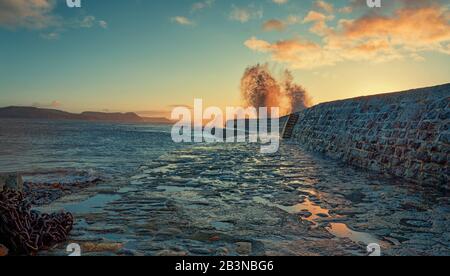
[
  {"x": 162, "y": 198},
  {"x": 73, "y": 150}
]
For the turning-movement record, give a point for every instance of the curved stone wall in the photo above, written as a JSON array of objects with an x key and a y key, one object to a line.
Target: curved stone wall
[{"x": 405, "y": 134}]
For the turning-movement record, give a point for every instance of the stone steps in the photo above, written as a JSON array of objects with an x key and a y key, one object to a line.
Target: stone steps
[{"x": 289, "y": 127}]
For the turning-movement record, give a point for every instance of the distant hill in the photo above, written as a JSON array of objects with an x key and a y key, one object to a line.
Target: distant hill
[{"x": 17, "y": 112}]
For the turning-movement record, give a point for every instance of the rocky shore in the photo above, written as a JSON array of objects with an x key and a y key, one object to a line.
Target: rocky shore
[
  {"x": 195, "y": 202},
  {"x": 44, "y": 193}
]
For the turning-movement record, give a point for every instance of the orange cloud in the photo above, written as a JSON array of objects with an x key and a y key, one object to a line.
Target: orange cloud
[
  {"x": 32, "y": 14},
  {"x": 372, "y": 46},
  {"x": 327, "y": 7},
  {"x": 296, "y": 52},
  {"x": 314, "y": 16},
  {"x": 274, "y": 25},
  {"x": 409, "y": 31},
  {"x": 407, "y": 26}
]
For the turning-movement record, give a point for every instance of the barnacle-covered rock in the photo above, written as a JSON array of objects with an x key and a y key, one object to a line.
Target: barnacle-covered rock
[
  {"x": 3, "y": 251},
  {"x": 24, "y": 231}
]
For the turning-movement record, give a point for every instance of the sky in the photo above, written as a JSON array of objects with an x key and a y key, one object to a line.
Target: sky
[{"x": 148, "y": 56}]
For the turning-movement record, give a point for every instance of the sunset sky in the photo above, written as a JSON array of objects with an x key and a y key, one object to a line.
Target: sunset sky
[{"x": 147, "y": 56}]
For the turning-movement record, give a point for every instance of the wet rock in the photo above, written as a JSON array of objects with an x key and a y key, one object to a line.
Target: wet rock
[
  {"x": 355, "y": 197},
  {"x": 200, "y": 251},
  {"x": 222, "y": 226},
  {"x": 128, "y": 252},
  {"x": 11, "y": 182},
  {"x": 222, "y": 251},
  {"x": 106, "y": 229},
  {"x": 416, "y": 223},
  {"x": 322, "y": 215},
  {"x": 45, "y": 193},
  {"x": 171, "y": 253},
  {"x": 412, "y": 206},
  {"x": 205, "y": 236},
  {"x": 244, "y": 248},
  {"x": 171, "y": 232},
  {"x": 393, "y": 241},
  {"x": 172, "y": 222},
  {"x": 401, "y": 237},
  {"x": 101, "y": 247},
  {"x": 3, "y": 251},
  {"x": 214, "y": 238},
  {"x": 305, "y": 214}
]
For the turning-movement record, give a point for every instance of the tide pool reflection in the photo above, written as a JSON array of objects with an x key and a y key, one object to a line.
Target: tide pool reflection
[{"x": 312, "y": 212}]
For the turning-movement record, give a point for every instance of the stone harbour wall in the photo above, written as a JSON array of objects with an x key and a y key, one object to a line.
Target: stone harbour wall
[{"x": 405, "y": 134}]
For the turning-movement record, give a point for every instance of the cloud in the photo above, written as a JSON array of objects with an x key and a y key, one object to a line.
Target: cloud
[
  {"x": 293, "y": 19},
  {"x": 322, "y": 5},
  {"x": 245, "y": 14},
  {"x": 320, "y": 26},
  {"x": 410, "y": 26},
  {"x": 298, "y": 53},
  {"x": 53, "y": 104},
  {"x": 182, "y": 20},
  {"x": 30, "y": 14},
  {"x": 172, "y": 106},
  {"x": 161, "y": 112},
  {"x": 87, "y": 22},
  {"x": 202, "y": 5},
  {"x": 40, "y": 15},
  {"x": 154, "y": 113},
  {"x": 51, "y": 36},
  {"x": 280, "y": 2},
  {"x": 274, "y": 25},
  {"x": 347, "y": 9},
  {"x": 314, "y": 16},
  {"x": 258, "y": 45},
  {"x": 281, "y": 25},
  {"x": 405, "y": 33},
  {"x": 103, "y": 24}
]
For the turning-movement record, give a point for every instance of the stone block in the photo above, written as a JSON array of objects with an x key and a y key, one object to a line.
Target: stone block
[
  {"x": 445, "y": 137},
  {"x": 404, "y": 134}
]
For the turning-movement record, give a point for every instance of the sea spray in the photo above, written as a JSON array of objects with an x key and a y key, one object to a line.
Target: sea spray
[{"x": 259, "y": 88}]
